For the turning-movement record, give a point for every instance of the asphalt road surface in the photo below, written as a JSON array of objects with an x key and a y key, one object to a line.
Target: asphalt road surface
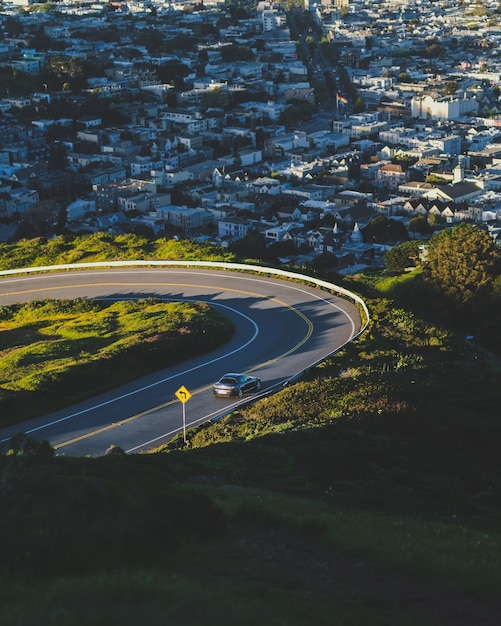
[{"x": 281, "y": 328}]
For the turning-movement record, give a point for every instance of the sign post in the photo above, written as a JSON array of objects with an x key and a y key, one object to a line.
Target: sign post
[{"x": 183, "y": 395}]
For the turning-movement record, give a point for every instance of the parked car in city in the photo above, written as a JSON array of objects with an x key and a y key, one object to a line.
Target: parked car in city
[{"x": 236, "y": 385}]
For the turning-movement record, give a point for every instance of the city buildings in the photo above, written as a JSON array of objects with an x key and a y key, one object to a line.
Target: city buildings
[{"x": 226, "y": 123}]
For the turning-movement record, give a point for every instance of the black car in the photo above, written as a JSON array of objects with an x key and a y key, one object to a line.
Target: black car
[{"x": 236, "y": 385}]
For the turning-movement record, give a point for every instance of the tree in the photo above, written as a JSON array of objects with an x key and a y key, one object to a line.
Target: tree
[
  {"x": 402, "y": 256},
  {"x": 359, "y": 105},
  {"x": 435, "y": 220},
  {"x": 325, "y": 261},
  {"x": 61, "y": 66},
  {"x": 435, "y": 179},
  {"x": 434, "y": 50},
  {"x": 234, "y": 53},
  {"x": 58, "y": 157},
  {"x": 420, "y": 225},
  {"x": 151, "y": 38},
  {"x": 354, "y": 171},
  {"x": 384, "y": 230},
  {"x": 462, "y": 264},
  {"x": 216, "y": 97},
  {"x": 300, "y": 111},
  {"x": 172, "y": 72},
  {"x": 282, "y": 249},
  {"x": 252, "y": 246},
  {"x": 12, "y": 26},
  {"x": 450, "y": 88},
  {"x": 46, "y": 7}
]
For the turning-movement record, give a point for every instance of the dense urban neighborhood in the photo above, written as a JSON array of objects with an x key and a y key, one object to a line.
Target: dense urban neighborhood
[{"x": 292, "y": 126}]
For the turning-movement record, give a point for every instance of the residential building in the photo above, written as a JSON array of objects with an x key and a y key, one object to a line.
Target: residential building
[
  {"x": 184, "y": 219},
  {"x": 443, "y": 108},
  {"x": 391, "y": 175},
  {"x": 233, "y": 228}
]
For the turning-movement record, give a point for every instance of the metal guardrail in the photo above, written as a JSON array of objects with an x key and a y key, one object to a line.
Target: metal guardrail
[
  {"x": 211, "y": 264},
  {"x": 220, "y": 265}
]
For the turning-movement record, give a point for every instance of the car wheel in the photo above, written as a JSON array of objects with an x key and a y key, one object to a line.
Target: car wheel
[
  {"x": 240, "y": 393},
  {"x": 258, "y": 385}
]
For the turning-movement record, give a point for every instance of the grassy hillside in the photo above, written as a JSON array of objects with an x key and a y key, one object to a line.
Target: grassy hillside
[
  {"x": 368, "y": 493},
  {"x": 102, "y": 247},
  {"x": 85, "y": 347}
]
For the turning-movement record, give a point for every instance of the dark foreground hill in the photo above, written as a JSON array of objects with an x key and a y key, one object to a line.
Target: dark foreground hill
[{"x": 366, "y": 494}]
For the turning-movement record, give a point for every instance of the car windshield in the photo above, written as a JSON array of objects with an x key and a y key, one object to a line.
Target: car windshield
[{"x": 228, "y": 381}]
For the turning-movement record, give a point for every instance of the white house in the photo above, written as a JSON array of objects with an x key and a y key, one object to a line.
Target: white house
[
  {"x": 443, "y": 108},
  {"x": 233, "y": 228},
  {"x": 79, "y": 208}
]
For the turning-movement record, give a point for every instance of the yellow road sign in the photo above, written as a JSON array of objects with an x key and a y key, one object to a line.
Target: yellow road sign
[{"x": 182, "y": 394}]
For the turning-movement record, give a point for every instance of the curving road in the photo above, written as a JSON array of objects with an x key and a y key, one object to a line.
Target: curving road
[{"x": 281, "y": 329}]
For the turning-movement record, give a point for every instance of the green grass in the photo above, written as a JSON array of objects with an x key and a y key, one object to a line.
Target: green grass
[
  {"x": 87, "y": 345},
  {"x": 368, "y": 493},
  {"x": 392, "y": 285},
  {"x": 102, "y": 247},
  {"x": 449, "y": 552},
  {"x": 122, "y": 539},
  {"x": 134, "y": 597}
]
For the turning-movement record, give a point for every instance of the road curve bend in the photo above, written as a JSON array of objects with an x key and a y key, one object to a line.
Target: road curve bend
[{"x": 282, "y": 328}]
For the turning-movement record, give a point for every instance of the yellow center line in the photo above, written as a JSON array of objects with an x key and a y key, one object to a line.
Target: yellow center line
[
  {"x": 309, "y": 333},
  {"x": 193, "y": 393},
  {"x": 142, "y": 285},
  {"x": 111, "y": 426},
  {"x": 162, "y": 284}
]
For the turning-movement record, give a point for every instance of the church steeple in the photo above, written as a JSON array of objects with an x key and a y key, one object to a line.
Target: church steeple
[
  {"x": 356, "y": 235},
  {"x": 458, "y": 173}
]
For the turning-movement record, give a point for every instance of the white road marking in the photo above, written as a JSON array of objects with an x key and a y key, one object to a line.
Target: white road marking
[
  {"x": 159, "y": 382},
  {"x": 283, "y": 284}
]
